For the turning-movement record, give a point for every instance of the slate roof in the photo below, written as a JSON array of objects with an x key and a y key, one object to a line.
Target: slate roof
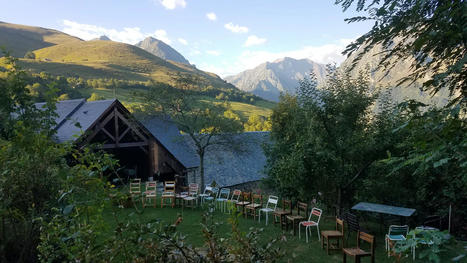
[
  {"x": 169, "y": 135},
  {"x": 229, "y": 166},
  {"x": 71, "y": 112}
]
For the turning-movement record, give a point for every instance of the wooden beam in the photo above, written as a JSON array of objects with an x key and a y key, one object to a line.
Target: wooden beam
[
  {"x": 116, "y": 127},
  {"x": 123, "y": 134},
  {"x": 98, "y": 127},
  {"x": 142, "y": 137},
  {"x": 124, "y": 145},
  {"x": 108, "y": 134}
]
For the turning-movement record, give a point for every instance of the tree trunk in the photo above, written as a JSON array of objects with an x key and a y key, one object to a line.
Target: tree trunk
[{"x": 201, "y": 171}]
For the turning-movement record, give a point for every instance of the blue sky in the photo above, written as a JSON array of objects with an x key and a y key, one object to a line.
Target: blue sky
[{"x": 220, "y": 36}]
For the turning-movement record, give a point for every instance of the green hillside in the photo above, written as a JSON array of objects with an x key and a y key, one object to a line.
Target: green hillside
[{"x": 20, "y": 39}]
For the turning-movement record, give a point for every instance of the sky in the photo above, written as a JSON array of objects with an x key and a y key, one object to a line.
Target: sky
[{"x": 220, "y": 36}]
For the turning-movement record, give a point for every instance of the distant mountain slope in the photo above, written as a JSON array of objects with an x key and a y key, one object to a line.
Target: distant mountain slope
[
  {"x": 269, "y": 79},
  {"x": 390, "y": 80},
  {"x": 19, "y": 39},
  {"x": 162, "y": 50},
  {"x": 103, "y": 37}
]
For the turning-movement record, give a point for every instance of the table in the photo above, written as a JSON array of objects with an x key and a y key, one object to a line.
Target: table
[{"x": 384, "y": 209}]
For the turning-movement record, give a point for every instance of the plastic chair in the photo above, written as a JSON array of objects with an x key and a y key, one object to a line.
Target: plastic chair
[
  {"x": 233, "y": 200},
  {"x": 315, "y": 212},
  {"x": 192, "y": 196},
  {"x": 272, "y": 202},
  {"x": 395, "y": 233},
  {"x": 207, "y": 192},
  {"x": 222, "y": 197}
]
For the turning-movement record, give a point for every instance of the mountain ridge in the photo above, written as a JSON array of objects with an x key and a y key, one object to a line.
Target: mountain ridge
[
  {"x": 269, "y": 79},
  {"x": 160, "y": 49}
]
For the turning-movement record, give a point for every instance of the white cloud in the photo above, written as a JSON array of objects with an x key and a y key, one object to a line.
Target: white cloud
[
  {"x": 172, "y": 4},
  {"x": 182, "y": 41},
  {"x": 213, "y": 52},
  {"x": 236, "y": 28},
  {"x": 161, "y": 34},
  {"x": 254, "y": 40},
  {"x": 211, "y": 16},
  {"x": 130, "y": 35}
]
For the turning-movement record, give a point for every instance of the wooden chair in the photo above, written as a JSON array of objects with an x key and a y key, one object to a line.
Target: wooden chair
[
  {"x": 135, "y": 187},
  {"x": 169, "y": 193},
  {"x": 246, "y": 200},
  {"x": 256, "y": 204},
  {"x": 357, "y": 252},
  {"x": 337, "y": 234},
  {"x": 302, "y": 211},
  {"x": 282, "y": 212},
  {"x": 150, "y": 194}
]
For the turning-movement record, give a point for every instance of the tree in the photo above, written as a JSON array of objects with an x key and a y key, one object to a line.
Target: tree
[
  {"x": 30, "y": 55},
  {"x": 206, "y": 123},
  {"x": 94, "y": 96},
  {"x": 323, "y": 135},
  {"x": 432, "y": 31}
]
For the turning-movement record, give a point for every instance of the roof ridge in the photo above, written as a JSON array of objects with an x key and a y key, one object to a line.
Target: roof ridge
[{"x": 70, "y": 114}]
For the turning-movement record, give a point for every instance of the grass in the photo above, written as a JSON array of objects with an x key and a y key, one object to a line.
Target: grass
[{"x": 297, "y": 249}]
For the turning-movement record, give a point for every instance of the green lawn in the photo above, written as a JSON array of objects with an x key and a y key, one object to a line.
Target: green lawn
[{"x": 297, "y": 250}]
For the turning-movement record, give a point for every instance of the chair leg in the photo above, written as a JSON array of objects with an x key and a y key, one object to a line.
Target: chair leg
[
  {"x": 299, "y": 237},
  {"x": 317, "y": 229},
  {"x": 344, "y": 258},
  {"x": 306, "y": 232}
]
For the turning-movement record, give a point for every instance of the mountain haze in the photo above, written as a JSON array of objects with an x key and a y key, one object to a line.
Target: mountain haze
[
  {"x": 270, "y": 79},
  {"x": 162, "y": 50},
  {"x": 390, "y": 80}
]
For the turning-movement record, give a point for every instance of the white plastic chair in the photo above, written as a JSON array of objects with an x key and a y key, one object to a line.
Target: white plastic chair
[
  {"x": 192, "y": 195},
  {"x": 223, "y": 196},
  {"x": 272, "y": 202},
  {"x": 315, "y": 212},
  {"x": 395, "y": 233},
  {"x": 233, "y": 200},
  {"x": 207, "y": 192}
]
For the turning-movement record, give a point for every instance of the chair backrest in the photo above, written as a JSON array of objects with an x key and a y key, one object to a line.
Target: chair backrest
[
  {"x": 246, "y": 196},
  {"x": 257, "y": 199},
  {"x": 340, "y": 225},
  {"x": 352, "y": 222},
  {"x": 272, "y": 201},
  {"x": 367, "y": 238},
  {"x": 224, "y": 193},
  {"x": 398, "y": 230},
  {"x": 207, "y": 189},
  {"x": 302, "y": 208},
  {"x": 287, "y": 205},
  {"x": 236, "y": 195},
  {"x": 315, "y": 213},
  {"x": 151, "y": 186},
  {"x": 135, "y": 185},
  {"x": 193, "y": 189},
  {"x": 169, "y": 186},
  {"x": 214, "y": 191}
]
